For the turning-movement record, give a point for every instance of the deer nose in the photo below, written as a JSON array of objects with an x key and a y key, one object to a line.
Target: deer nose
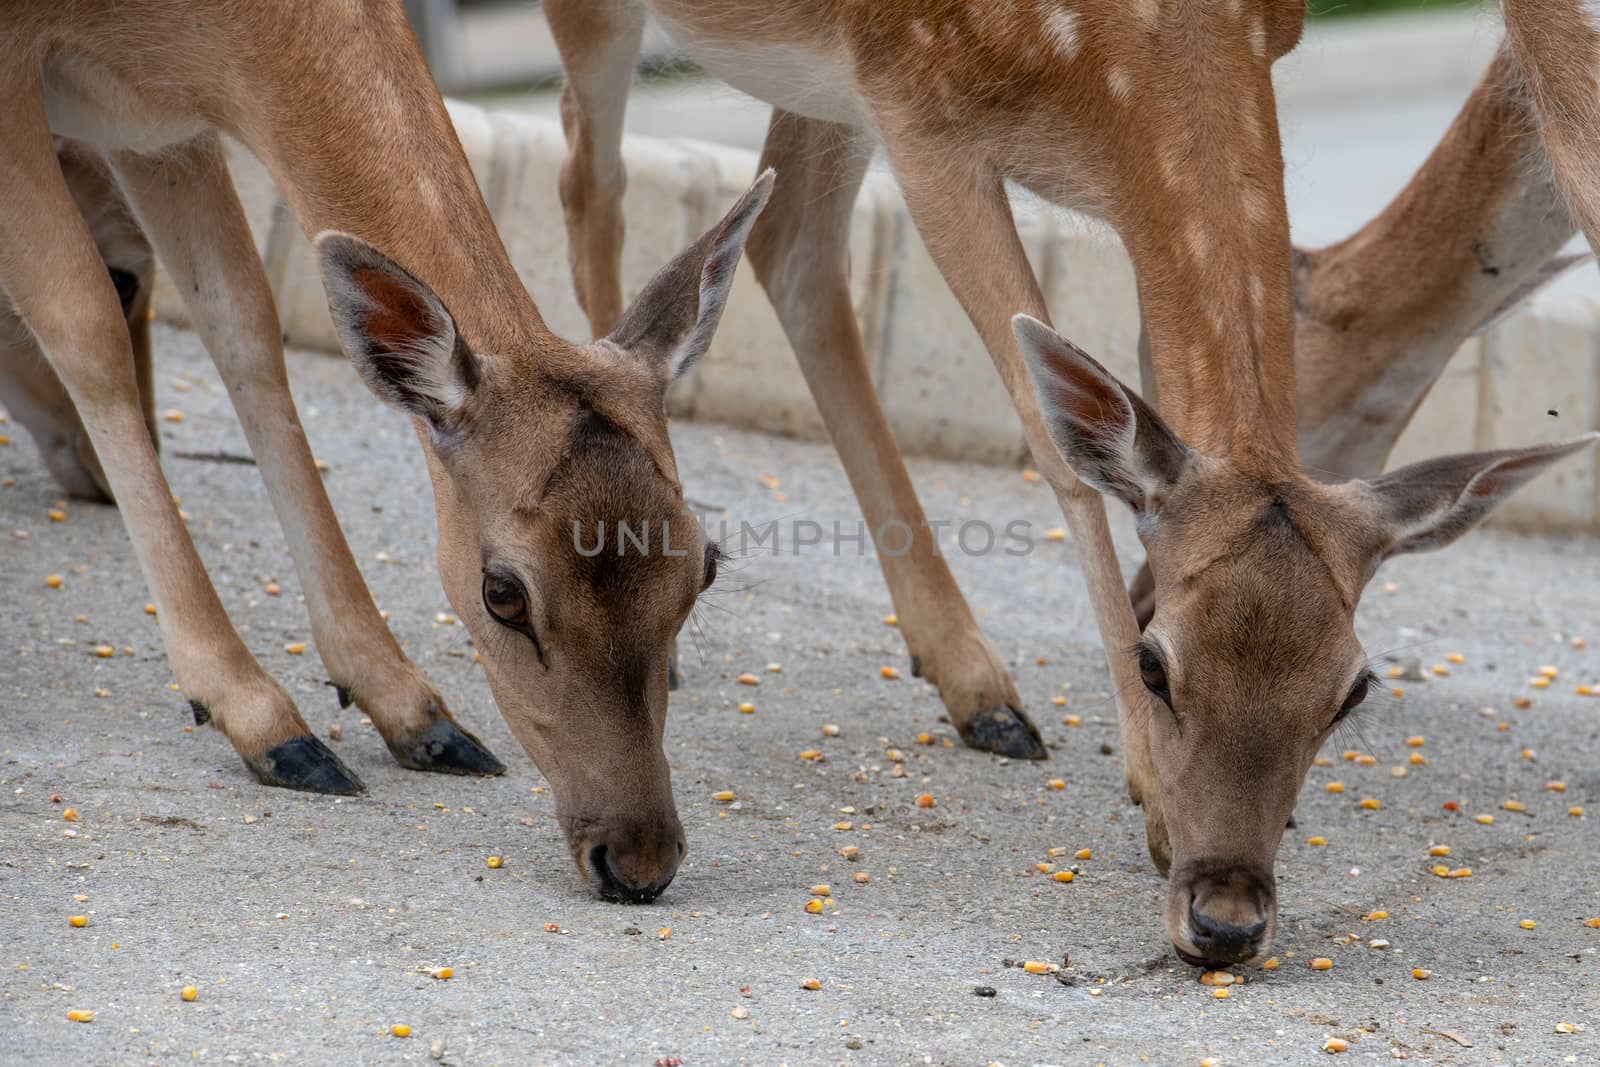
[
  {"x": 634, "y": 876},
  {"x": 1223, "y": 941}
]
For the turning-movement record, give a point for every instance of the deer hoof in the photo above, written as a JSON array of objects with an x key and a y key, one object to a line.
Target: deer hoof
[
  {"x": 307, "y": 764},
  {"x": 1005, "y": 731},
  {"x": 445, "y": 748}
]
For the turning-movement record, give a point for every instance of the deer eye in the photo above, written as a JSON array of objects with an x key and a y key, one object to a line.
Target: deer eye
[
  {"x": 504, "y": 599},
  {"x": 1358, "y": 693},
  {"x": 1154, "y": 675},
  {"x": 713, "y": 554}
]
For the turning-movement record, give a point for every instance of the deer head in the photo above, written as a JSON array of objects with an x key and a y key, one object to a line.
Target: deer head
[
  {"x": 532, "y": 454},
  {"x": 1251, "y": 657}
]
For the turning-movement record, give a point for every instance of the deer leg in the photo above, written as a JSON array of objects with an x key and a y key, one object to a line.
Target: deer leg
[
  {"x": 599, "y": 44},
  {"x": 62, "y": 292},
  {"x": 959, "y": 206},
  {"x": 186, "y": 202},
  {"x": 800, "y": 251}
]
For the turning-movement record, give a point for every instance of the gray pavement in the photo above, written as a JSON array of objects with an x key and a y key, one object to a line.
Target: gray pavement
[{"x": 307, "y": 923}]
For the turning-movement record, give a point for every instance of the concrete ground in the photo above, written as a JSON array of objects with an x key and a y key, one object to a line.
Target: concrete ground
[{"x": 308, "y": 923}]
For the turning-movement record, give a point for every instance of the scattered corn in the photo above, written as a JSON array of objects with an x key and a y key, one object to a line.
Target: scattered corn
[
  {"x": 1063, "y": 876},
  {"x": 1441, "y": 670},
  {"x": 1334, "y": 787},
  {"x": 664, "y": 934},
  {"x": 495, "y": 863},
  {"x": 1567, "y": 1028},
  {"x": 1549, "y": 672},
  {"x": 747, "y": 708},
  {"x": 1378, "y": 943},
  {"x": 1055, "y": 533},
  {"x": 1335, "y": 1044},
  {"x": 1058, "y": 701},
  {"x": 443, "y": 974},
  {"x": 1321, "y": 963},
  {"x": 1529, "y": 754},
  {"x": 1055, "y": 853},
  {"x": 1514, "y": 805},
  {"x": 1370, "y": 803},
  {"x": 926, "y": 800},
  {"x": 891, "y": 620},
  {"x": 79, "y": 921},
  {"x": 189, "y": 994},
  {"x": 298, "y": 648},
  {"x": 1316, "y": 842},
  {"x": 811, "y": 983},
  {"x": 1439, "y": 850},
  {"x": 272, "y": 589},
  {"x": 1083, "y": 854},
  {"x": 890, "y": 673},
  {"x": 1217, "y": 978},
  {"x": 723, "y": 795},
  {"x": 1044, "y": 868},
  {"x": 1040, "y": 967},
  {"x": 1416, "y": 759},
  {"x": 1456, "y": 657},
  {"x": 1220, "y": 993},
  {"x": 1072, "y": 720},
  {"x": 552, "y": 928},
  {"x": 924, "y": 738},
  {"x": 1593, "y": 924},
  {"x": 748, "y": 679},
  {"x": 1540, "y": 683},
  {"x": 104, "y": 651},
  {"x": 1395, "y": 672},
  {"x": 1461, "y": 872},
  {"x": 811, "y": 755},
  {"x": 814, "y": 906},
  {"x": 1270, "y": 965},
  {"x": 1483, "y": 820},
  {"x": 1416, "y": 742},
  {"x": 1398, "y": 691},
  {"x": 400, "y": 1030},
  {"x": 1528, "y": 924},
  {"x": 1421, "y": 975},
  {"x": 1441, "y": 870},
  {"x": 78, "y": 1015},
  {"x": 57, "y": 515},
  {"x": 844, "y": 825},
  {"x": 149, "y": 609},
  {"x": 1055, "y": 783},
  {"x": 830, "y": 730},
  {"x": 1375, "y": 916},
  {"x": 1575, "y": 811},
  {"x": 1521, "y": 702},
  {"x": 850, "y": 852},
  {"x": 1367, "y": 761},
  {"x": 821, "y": 890},
  {"x": 1349, "y": 755},
  {"x": 71, "y": 815},
  {"x": 862, "y": 877},
  {"x": 53, "y": 581},
  {"x": 1030, "y": 476}
]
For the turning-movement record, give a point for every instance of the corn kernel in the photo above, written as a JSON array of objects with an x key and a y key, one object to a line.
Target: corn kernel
[
  {"x": 1529, "y": 754},
  {"x": 1395, "y": 672},
  {"x": 1521, "y": 702},
  {"x": 1063, "y": 876},
  {"x": 1567, "y": 1028},
  {"x": 400, "y": 1030},
  {"x": 811, "y": 983},
  {"x": 1370, "y": 803},
  {"x": 1539, "y": 683},
  {"x": 104, "y": 651},
  {"x": 1375, "y": 916},
  {"x": 1349, "y": 755},
  {"x": 1316, "y": 842},
  {"x": 1335, "y": 1044},
  {"x": 924, "y": 738},
  {"x": 1399, "y": 691},
  {"x": 926, "y": 800},
  {"x": 1055, "y": 533},
  {"x": 78, "y": 921},
  {"x": 71, "y": 815},
  {"x": 298, "y": 648},
  {"x": 1379, "y": 943},
  {"x": 1059, "y": 701},
  {"x": 1055, "y": 783},
  {"x": 1365, "y": 760},
  {"x": 1441, "y": 870},
  {"x": 862, "y": 877},
  {"x": 1055, "y": 853},
  {"x": 665, "y": 933},
  {"x": 53, "y": 581},
  {"x": 57, "y": 515},
  {"x": 891, "y": 619},
  {"x": 495, "y": 863},
  {"x": 1044, "y": 868},
  {"x": 811, "y": 755},
  {"x": 1030, "y": 476},
  {"x": 1083, "y": 854},
  {"x": 1528, "y": 924},
  {"x": 723, "y": 795},
  {"x": 821, "y": 891},
  {"x": 1421, "y": 975},
  {"x": 749, "y": 679},
  {"x": 1461, "y": 872},
  {"x": 1334, "y": 787},
  {"x": 1575, "y": 811},
  {"x": 850, "y": 852},
  {"x": 844, "y": 825},
  {"x": 1270, "y": 965},
  {"x": 1416, "y": 759},
  {"x": 1585, "y": 690},
  {"x": 830, "y": 730},
  {"x": 1040, "y": 967},
  {"x": 1483, "y": 820},
  {"x": 1416, "y": 742},
  {"x": 1549, "y": 672},
  {"x": 1072, "y": 720},
  {"x": 551, "y": 928},
  {"x": 189, "y": 994},
  {"x": 1216, "y": 978},
  {"x": 79, "y": 1016},
  {"x": 1456, "y": 657},
  {"x": 1593, "y": 924},
  {"x": 747, "y": 708},
  {"x": 1321, "y": 963},
  {"x": 1220, "y": 993},
  {"x": 888, "y": 672},
  {"x": 1514, "y": 805},
  {"x": 1441, "y": 670},
  {"x": 1439, "y": 850},
  {"x": 443, "y": 974}
]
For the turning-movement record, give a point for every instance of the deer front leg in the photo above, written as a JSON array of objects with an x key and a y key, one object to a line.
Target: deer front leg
[
  {"x": 54, "y": 277},
  {"x": 960, "y": 208},
  {"x": 186, "y": 201},
  {"x": 599, "y": 44},
  {"x": 800, "y": 251}
]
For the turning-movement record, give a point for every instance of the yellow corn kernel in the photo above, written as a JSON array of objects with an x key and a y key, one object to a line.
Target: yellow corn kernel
[
  {"x": 1593, "y": 924},
  {"x": 926, "y": 801},
  {"x": 1441, "y": 670},
  {"x": 53, "y": 581},
  {"x": 298, "y": 648},
  {"x": 1334, "y": 787},
  {"x": 79, "y": 921},
  {"x": 104, "y": 651},
  {"x": 1540, "y": 683},
  {"x": 888, "y": 672},
  {"x": 1456, "y": 657},
  {"x": 1514, "y": 805},
  {"x": 1555, "y": 786},
  {"x": 1421, "y": 975},
  {"x": 821, "y": 890},
  {"x": 1366, "y": 761},
  {"x": 1321, "y": 963},
  {"x": 57, "y": 515},
  {"x": 863, "y": 877},
  {"x": 1063, "y": 876},
  {"x": 814, "y": 907},
  {"x": 850, "y": 852},
  {"x": 665, "y": 933},
  {"x": 723, "y": 795},
  {"x": 1270, "y": 965},
  {"x": 1335, "y": 1044},
  {"x": 844, "y": 825},
  {"x": 1055, "y": 783},
  {"x": 443, "y": 974},
  {"x": 811, "y": 983},
  {"x": 1370, "y": 803},
  {"x": 1575, "y": 811},
  {"x": 1461, "y": 872},
  {"x": 1375, "y": 916},
  {"x": 1398, "y": 691},
  {"x": 749, "y": 679},
  {"x": 1216, "y": 978},
  {"x": 1316, "y": 842},
  {"x": 189, "y": 994},
  {"x": 1083, "y": 854},
  {"x": 78, "y": 1015},
  {"x": 747, "y": 708},
  {"x": 400, "y": 1030},
  {"x": 1416, "y": 759},
  {"x": 1585, "y": 690},
  {"x": 1220, "y": 993},
  {"x": 1072, "y": 720},
  {"x": 1349, "y": 755},
  {"x": 1521, "y": 702},
  {"x": 924, "y": 738},
  {"x": 1439, "y": 850},
  {"x": 1055, "y": 853},
  {"x": 1568, "y": 1028},
  {"x": 811, "y": 755},
  {"x": 71, "y": 815},
  {"x": 1040, "y": 967},
  {"x": 1528, "y": 924},
  {"x": 1055, "y": 533},
  {"x": 1416, "y": 742},
  {"x": 1441, "y": 870},
  {"x": 1058, "y": 701},
  {"x": 1549, "y": 672},
  {"x": 1030, "y": 476},
  {"x": 1483, "y": 820},
  {"x": 495, "y": 863},
  {"x": 830, "y": 730},
  {"x": 1044, "y": 868},
  {"x": 1529, "y": 754},
  {"x": 891, "y": 619}
]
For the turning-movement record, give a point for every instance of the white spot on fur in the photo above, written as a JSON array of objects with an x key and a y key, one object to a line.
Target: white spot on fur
[
  {"x": 1195, "y": 238},
  {"x": 1147, "y": 11},
  {"x": 1258, "y": 292},
  {"x": 920, "y": 31},
  {"x": 1121, "y": 83},
  {"x": 1061, "y": 29},
  {"x": 1258, "y": 38}
]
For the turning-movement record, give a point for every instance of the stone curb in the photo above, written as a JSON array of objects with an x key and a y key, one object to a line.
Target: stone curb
[{"x": 939, "y": 388}]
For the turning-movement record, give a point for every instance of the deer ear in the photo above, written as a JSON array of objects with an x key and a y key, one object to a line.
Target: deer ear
[
  {"x": 673, "y": 319},
  {"x": 1530, "y": 288},
  {"x": 1110, "y": 437},
  {"x": 397, "y": 331},
  {"x": 1429, "y": 504}
]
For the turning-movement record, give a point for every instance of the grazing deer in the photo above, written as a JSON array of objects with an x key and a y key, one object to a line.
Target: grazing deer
[
  {"x": 524, "y": 433},
  {"x": 1160, "y": 118},
  {"x": 28, "y": 387}
]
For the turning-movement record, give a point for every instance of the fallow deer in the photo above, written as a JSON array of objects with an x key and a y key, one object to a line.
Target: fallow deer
[
  {"x": 524, "y": 433},
  {"x": 1160, "y": 118}
]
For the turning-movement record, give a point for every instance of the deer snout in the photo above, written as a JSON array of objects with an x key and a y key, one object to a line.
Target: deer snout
[
  {"x": 633, "y": 864},
  {"x": 1229, "y": 919}
]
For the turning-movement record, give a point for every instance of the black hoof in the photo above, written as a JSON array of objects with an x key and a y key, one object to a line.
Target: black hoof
[
  {"x": 445, "y": 748},
  {"x": 1004, "y": 731},
  {"x": 306, "y": 764}
]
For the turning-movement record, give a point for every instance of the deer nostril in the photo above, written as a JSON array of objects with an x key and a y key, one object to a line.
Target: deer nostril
[
  {"x": 1223, "y": 937},
  {"x": 680, "y": 850}
]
